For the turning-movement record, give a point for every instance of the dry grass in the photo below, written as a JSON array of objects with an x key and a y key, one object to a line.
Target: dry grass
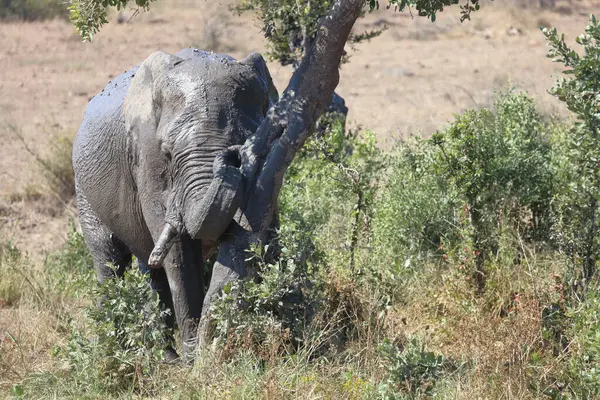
[
  {"x": 27, "y": 329},
  {"x": 495, "y": 335},
  {"x": 490, "y": 345},
  {"x": 55, "y": 166},
  {"x": 27, "y": 337}
]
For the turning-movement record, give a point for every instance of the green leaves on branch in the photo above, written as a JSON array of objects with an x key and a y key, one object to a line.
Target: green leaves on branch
[
  {"x": 89, "y": 16},
  {"x": 289, "y": 25},
  {"x": 429, "y": 8},
  {"x": 581, "y": 93}
]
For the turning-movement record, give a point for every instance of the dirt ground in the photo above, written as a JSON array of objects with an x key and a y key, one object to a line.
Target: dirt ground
[{"x": 411, "y": 79}]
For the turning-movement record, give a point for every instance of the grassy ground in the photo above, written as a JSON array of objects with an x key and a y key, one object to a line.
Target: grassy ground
[{"x": 484, "y": 353}]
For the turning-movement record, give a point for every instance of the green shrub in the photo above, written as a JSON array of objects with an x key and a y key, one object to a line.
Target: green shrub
[
  {"x": 32, "y": 10},
  {"x": 121, "y": 341},
  {"x": 115, "y": 347},
  {"x": 578, "y": 201},
  {"x": 329, "y": 192},
  {"x": 415, "y": 212},
  {"x": 267, "y": 315},
  {"x": 498, "y": 162},
  {"x": 467, "y": 191},
  {"x": 325, "y": 210},
  {"x": 412, "y": 371}
]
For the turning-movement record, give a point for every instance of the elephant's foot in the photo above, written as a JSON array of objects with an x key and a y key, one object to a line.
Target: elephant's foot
[
  {"x": 189, "y": 341},
  {"x": 171, "y": 356},
  {"x": 189, "y": 353},
  {"x": 204, "y": 331}
]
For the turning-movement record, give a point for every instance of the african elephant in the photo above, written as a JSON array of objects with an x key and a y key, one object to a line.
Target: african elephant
[{"x": 157, "y": 168}]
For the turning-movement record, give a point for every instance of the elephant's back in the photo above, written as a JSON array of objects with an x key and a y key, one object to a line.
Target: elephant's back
[
  {"x": 109, "y": 101},
  {"x": 112, "y": 96},
  {"x": 194, "y": 53},
  {"x": 103, "y": 116}
]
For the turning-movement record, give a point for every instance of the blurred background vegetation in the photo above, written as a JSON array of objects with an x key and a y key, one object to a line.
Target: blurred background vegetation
[{"x": 32, "y": 10}]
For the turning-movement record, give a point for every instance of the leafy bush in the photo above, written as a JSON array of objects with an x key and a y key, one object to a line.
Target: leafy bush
[
  {"x": 31, "y": 10},
  {"x": 117, "y": 344},
  {"x": 415, "y": 212},
  {"x": 121, "y": 341},
  {"x": 488, "y": 173},
  {"x": 578, "y": 201},
  {"x": 498, "y": 162},
  {"x": 325, "y": 209},
  {"x": 329, "y": 192},
  {"x": 412, "y": 370},
  {"x": 266, "y": 315}
]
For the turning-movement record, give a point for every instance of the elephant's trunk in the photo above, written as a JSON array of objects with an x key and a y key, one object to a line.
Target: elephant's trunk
[
  {"x": 208, "y": 216},
  {"x": 208, "y": 211}
]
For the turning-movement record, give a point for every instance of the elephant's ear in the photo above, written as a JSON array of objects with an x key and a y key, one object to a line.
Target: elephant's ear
[
  {"x": 142, "y": 104},
  {"x": 142, "y": 110},
  {"x": 257, "y": 62}
]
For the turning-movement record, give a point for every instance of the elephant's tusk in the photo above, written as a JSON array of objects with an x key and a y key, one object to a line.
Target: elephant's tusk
[{"x": 162, "y": 246}]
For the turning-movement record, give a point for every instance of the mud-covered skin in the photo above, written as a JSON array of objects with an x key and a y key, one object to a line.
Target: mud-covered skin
[{"x": 144, "y": 162}]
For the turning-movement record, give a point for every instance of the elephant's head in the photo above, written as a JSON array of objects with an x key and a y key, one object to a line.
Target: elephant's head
[{"x": 189, "y": 117}]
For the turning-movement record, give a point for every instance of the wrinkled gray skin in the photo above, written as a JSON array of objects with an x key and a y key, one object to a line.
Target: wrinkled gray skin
[{"x": 157, "y": 168}]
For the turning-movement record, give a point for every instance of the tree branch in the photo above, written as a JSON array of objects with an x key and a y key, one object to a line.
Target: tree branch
[
  {"x": 271, "y": 150},
  {"x": 308, "y": 93}
]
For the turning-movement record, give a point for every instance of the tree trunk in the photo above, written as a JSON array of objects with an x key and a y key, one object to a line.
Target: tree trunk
[
  {"x": 589, "y": 262},
  {"x": 270, "y": 151},
  {"x": 481, "y": 249}
]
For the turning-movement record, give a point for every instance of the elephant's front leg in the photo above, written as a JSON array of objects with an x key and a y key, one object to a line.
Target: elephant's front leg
[
  {"x": 183, "y": 267},
  {"x": 230, "y": 266}
]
